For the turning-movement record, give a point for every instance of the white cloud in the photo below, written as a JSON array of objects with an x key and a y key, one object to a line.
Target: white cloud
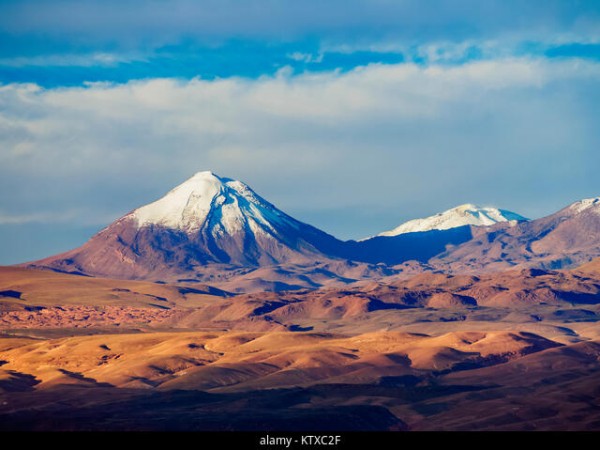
[
  {"x": 36, "y": 217},
  {"x": 98, "y": 59},
  {"x": 397, "y": 141},
  {"x": 306, "y": 57}
]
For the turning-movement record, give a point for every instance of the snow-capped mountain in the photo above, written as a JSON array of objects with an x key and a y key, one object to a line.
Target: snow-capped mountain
[
  {"x": 467, "y": 214},
  {"x": 207, "y": 220}
]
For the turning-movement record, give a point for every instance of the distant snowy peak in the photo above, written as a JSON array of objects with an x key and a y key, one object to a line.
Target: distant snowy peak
[
  {"x": 462, "y": 215},
  {"x": 585, "y": 204},
  {"x": 207, "y": 200}
]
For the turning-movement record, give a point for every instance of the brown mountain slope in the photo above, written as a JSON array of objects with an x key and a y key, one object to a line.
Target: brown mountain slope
[
  {"x": 565, "y": 239},
  {"x": 593, "y": 267}
]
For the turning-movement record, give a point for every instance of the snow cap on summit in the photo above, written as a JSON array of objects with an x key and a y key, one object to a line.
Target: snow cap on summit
[
  {"x": 586, "y": 203},
  {"x": 467, "y": 214},
  {"x": 205, "y": 199}
]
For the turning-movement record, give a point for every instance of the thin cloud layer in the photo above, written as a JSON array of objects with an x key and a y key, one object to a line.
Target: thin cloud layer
[{"x": 132, "y": 22}]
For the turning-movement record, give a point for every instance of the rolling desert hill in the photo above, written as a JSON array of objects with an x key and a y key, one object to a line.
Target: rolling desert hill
[
  {"x": 286, "y": 381},
  {"x": 232, "y": 362},
  {"x": 39, "y": 298},
  {"x": 24, "y": 287},
  {"x": 430, "y": 352},
  {"x": 43, "y": 299}
]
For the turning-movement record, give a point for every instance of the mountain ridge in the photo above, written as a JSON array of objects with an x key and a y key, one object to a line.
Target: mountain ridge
[
  {"x": 217, "y": 230},
  {"x": 566, "y": 239}
]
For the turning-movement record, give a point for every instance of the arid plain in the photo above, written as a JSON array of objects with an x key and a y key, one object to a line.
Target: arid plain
[{"x": 82, "y": 353}]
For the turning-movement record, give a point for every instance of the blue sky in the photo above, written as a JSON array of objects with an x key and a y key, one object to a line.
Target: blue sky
[{"x": 350, "y": 115}]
